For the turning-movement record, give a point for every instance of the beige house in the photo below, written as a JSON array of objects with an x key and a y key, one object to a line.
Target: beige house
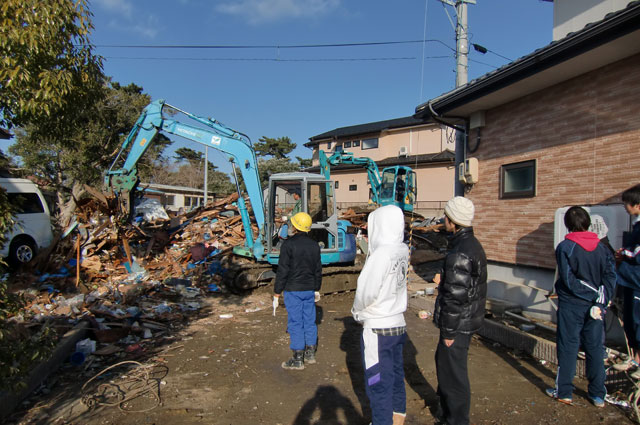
[
  {"x": 426, "y": 147},
  {"x": 557, "y": 127}
]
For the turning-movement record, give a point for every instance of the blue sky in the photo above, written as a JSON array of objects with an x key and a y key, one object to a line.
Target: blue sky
[{"x": 302, "y": 92}]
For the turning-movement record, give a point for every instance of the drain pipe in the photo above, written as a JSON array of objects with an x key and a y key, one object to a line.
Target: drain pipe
[{"x": 460, "y": 147}]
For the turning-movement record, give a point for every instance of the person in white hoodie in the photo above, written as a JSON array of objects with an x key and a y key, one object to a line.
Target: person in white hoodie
[{"x": 380, "y": 303}]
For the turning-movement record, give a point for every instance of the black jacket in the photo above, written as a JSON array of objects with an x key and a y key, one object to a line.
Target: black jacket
[
  {"x": 299, "y": 266},
  {"x": 463, "y": 287}
]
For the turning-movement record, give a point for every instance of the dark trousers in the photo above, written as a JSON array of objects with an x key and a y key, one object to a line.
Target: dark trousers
[
  {"x": 383, "y": 375},
  {"x": 631, "y": 316},
  {"x": 301, "y": 319},
  {"x": 453, "y": 380},
  {"x": 575, "y": 327}
]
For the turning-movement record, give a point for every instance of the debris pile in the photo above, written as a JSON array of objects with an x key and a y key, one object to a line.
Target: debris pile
[{"x": 134, "y": 281}]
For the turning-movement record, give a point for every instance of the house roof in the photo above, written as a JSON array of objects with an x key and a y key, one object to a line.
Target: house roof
[
  {"x": 613, "y": 38},
  {"x": 170, "y": 188},
  {"x": 360, "y": 129},
  {"x": 445, "y": 156}
]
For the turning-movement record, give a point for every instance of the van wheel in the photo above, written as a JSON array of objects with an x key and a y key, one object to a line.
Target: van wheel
[{"x": 22, "y": 250}]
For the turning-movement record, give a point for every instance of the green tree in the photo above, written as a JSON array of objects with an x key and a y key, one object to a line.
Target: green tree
[
  {"x": 47, "y": 65},
  {"x": 192, "y": 174},
  {"x": 189, "y": 155},
  {"x": 81, "y": 155},
  {"x": 304, "y": 163},
  {"x": 274, "y": 166},
  {"x": 277, "y": 148}
]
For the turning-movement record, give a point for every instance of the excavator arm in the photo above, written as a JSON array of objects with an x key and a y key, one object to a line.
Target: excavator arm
[
  {"x": 368, "y": 164},
  {"x": 123, "y": 181},
  {"x": 383, "y": 187}
]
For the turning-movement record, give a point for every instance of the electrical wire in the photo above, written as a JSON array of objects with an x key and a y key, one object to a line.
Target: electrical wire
[
  {"x": 263, "y": 46},
  {"x": 271, "y": 59}
]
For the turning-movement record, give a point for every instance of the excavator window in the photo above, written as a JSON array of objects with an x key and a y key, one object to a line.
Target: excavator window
[
  {"x": 321, "y": 208},
  {"x": 388, "y": 183}
]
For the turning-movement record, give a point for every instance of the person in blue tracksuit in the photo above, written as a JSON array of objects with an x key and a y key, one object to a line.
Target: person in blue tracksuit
[
  {"x": 629, "y": 275},
  {"x": 585, "y": 285}
]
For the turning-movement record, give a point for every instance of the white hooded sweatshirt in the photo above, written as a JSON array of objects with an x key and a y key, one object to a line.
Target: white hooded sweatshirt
[{"x": 381, "y": 294}]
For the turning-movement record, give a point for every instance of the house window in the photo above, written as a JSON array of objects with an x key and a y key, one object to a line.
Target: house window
[
  {"x": 329, "y": 146},
  {"x": 171, "y": 200},
  {"x": 356, "y": 143},
  {"x": 353, "y": 187},
  {"x": 338, "y": 147},
  {"x": 518, "y": 180},
  {"x": 337, "y": 184},
  {"x": 369, "y": 143},
  {"x": 347, "y": 144}
]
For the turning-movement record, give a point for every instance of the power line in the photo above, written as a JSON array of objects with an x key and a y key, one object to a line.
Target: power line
[
  {"x": 272, "y": 59},
  {"x": 259, "y": 46}
]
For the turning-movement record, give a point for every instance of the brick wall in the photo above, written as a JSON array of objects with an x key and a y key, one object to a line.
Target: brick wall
[{"x": 584, "y": 135}]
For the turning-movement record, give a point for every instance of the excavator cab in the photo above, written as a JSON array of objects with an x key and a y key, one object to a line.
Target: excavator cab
[
  {"x": 398, "y": 187},
  {"x": 290, "y": 193}
]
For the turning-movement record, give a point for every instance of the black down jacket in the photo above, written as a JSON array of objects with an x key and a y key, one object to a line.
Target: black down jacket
[{"x": 463, "y": 287}]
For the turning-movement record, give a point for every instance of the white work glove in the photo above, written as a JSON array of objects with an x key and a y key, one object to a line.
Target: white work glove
[
  {"x": 595, "y": 313},
  {"x": 275, "y": 304},
  {"x": 316, "y": 296}
]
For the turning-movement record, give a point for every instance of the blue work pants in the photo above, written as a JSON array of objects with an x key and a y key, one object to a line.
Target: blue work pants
[
  {"x": 384, "y": 375},
  {"x": 576, "y": 327},
  {"x": 301, "y": 318}
]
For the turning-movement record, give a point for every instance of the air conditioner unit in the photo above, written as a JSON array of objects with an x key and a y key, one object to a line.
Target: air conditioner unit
[{"x": 403, "y": 151}]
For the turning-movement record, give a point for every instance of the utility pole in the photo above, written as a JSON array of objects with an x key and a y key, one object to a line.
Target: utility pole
[{"x": 462, "y": 75}]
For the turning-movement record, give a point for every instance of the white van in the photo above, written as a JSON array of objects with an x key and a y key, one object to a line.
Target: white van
[{"x": 32, "y": 230}]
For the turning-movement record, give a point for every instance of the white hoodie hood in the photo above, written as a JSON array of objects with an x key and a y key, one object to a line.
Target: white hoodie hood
[{"x": 381, "y": 295}]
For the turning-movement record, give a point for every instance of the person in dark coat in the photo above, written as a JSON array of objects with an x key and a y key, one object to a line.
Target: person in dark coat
[
  {"x": 585, "y": 285},
  {"x": 299, "y": 276},
  {"x": 459, "y": 310}
]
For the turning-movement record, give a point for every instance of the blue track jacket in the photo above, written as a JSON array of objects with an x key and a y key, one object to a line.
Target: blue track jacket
[
  {"x": 629, "y": 269},
  {"x": 586, "y": 270}
]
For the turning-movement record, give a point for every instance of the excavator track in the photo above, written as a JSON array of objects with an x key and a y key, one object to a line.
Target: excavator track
[{"x": 242, "y": 275}]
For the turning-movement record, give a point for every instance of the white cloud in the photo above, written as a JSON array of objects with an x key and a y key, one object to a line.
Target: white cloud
[
  {"x": 257, "y": 11},
  {"x": 123, "y": 7},
  {"x": 147, "y": 29}
]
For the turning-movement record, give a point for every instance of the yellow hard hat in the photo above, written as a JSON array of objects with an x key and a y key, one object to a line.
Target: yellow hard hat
[{"x": 301, "y": 221}]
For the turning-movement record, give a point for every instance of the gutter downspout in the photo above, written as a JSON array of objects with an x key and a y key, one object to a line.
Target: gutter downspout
[{"x": 461, "y": 145}]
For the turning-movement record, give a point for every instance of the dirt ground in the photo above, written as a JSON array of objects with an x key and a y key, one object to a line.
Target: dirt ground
[{"x": 227, "y": 371}]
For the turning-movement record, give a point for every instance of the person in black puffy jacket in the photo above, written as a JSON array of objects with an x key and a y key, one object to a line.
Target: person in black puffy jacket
[
  {"x": 459, "y": 310},
  {"x": 299, "y": 276}
]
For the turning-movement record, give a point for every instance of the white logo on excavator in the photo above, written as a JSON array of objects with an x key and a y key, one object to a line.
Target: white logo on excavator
[
  {"x": 215, "y": 140},
  {"x": 189, "y": 132}
]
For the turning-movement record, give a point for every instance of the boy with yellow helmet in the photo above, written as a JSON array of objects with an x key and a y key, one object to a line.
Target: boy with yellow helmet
[{"x": 299, "y": 276}]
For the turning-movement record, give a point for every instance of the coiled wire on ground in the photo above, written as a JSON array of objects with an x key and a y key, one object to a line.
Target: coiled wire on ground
[{"x": 141, "y": 381}]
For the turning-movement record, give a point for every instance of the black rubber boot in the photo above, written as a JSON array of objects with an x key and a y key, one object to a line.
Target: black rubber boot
[
  {"x": 310, "y": 354},
  {"x": 296, "y": 362}
]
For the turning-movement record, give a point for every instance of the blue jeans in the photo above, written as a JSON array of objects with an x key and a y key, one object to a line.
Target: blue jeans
[
  {"x": 576, "y": 326},
  {"x": 301, "y": 318},
  {"x": 383, "y": 375}
]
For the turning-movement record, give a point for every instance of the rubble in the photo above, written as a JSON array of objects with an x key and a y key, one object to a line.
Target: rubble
[{"x": 134, "y": 283}]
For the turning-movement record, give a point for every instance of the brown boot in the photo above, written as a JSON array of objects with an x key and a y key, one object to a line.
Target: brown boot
[{"x": 398, "y": 418}]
